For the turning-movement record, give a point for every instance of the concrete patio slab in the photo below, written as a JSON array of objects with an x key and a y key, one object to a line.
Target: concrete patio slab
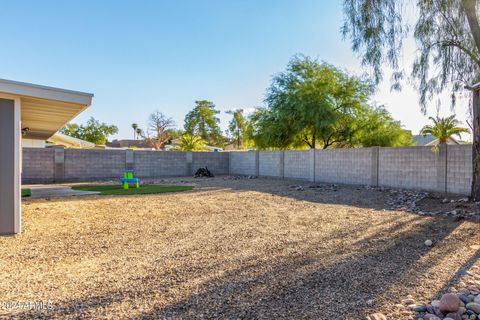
[{"x": 50, "y": 191}]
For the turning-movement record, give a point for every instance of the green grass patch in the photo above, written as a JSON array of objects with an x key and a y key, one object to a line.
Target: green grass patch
[
  {"x": 26, "y": 192},
  {"x": 144, "y": 189}
]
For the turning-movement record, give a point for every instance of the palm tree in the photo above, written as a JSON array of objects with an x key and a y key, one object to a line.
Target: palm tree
[
  {"x": 189, "y": 142},
  {"x": 134, "y": 127},
  {"x": 443, "y": 128},
  {"x": 139, "y": 132}
]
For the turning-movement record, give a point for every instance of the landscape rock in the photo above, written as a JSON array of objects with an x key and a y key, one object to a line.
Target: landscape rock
[
  {"x": 449, "y": 303},
  {"x": 428, "y": 243},
  {"x": 473, "y": 306},
  {"x": 454, "y": 316}
]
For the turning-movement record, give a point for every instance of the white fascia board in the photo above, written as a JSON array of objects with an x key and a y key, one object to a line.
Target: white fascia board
[{"x": 44, "y": 92}]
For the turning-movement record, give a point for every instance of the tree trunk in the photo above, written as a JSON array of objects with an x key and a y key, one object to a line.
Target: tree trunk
[
  {"x": 476, "y": 146},
  {"x": 470, "y": 9}
]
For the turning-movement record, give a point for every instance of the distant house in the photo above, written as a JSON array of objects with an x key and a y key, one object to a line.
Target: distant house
[
  {"x": 125, "y": 143},
  {"x": 58, "y": 140},
  {"x": 429, "y": 140}
]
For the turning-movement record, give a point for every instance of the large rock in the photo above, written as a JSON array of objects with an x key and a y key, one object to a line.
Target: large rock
[
  {"x": 449, "y": 303},
  {"x": 475, "y": 307}
]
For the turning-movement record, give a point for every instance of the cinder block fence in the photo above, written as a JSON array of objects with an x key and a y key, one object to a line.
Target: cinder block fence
[{"x": 448, "y": 170}]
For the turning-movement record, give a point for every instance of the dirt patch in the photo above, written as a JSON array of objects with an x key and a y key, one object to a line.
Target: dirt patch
[{"x": 231, "y": 248}]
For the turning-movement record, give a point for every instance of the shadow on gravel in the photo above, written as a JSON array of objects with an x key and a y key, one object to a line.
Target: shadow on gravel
[{"x": 292, "y": 285}]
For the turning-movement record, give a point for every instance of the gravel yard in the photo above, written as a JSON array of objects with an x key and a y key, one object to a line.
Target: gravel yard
[{"x": 231, "y": 248}]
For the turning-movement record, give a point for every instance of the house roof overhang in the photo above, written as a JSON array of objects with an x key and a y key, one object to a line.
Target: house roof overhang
[{"x": 45, "y": 110}]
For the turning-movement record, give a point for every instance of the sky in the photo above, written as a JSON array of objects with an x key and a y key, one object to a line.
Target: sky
[{"x": 142, "y": 56}]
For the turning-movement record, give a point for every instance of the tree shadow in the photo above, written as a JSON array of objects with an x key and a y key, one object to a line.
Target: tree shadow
[{"x": 290, "y": 285}]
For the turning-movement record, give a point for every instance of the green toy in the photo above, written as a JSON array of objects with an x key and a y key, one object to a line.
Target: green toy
[{"x": 128, "y": 178}]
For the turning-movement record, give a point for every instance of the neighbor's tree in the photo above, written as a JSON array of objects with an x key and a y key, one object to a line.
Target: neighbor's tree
[
  {"x": 377, "y": 128},
  {"x": 157, "y": 133},
  {"x": 188, "y": 142},
  {"x": 312, "y": 104},
  {"x": 202, "y": 121},
  {"x": 447, "y": 33},
  {"x": 135, "y": 128},
  {"x": 237, "y": 126},
  {"x": 93, "y": 131},
  {"x": 444, "y": 128}
]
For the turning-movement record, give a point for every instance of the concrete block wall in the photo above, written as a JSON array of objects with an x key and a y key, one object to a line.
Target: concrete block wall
[
  {"x": 409, "y": 168},
  {"x": 298, "y": 164},
  {"x": 88, "y": 164},
  {"x": 243, "y": 163},
  {"x": 216, "y": 162},
  {"x": 152, "y": 164},
  {"x": 271, "y": 163},
  {"x": 448, "y": 170},
  {"x": 346, "y": 166},
  {"x": 38, "y": 165},
  {"x": 459, "y": 169}
]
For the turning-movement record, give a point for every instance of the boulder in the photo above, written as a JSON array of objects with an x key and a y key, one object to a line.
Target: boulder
[{"x": 449, "y": 303}]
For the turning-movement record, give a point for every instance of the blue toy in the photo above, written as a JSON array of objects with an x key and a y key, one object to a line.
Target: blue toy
[{"x": 128, "y": 178}]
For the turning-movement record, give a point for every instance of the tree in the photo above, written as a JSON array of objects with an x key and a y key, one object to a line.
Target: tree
[
  {"x": 135, "y": 128},
  {"x": 447, "y": 34},
  {"x": 94, "y": 131},
  {"x": 139, "y": 132},
  {"x": 444, "y": 128},
  {"x": 201, "y": 121},
  {"x": 191, "y": 143},
  {"x": 379, "y": 129},
  {"x": 237, "y": 125},
  {"x": 157, "y": 133},
  {"x": 312, "y": 104}
]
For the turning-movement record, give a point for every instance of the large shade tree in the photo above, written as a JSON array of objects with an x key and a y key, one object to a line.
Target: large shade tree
[
  {"x": 93, "y": 131},
  {"x": 312, "y": 102},
  {"x": 447, "y": 33},
  {"x": 316, "y": 105}
]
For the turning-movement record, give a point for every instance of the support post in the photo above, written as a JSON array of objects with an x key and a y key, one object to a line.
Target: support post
[
  {"x": 257, "y": 163},
  {"x": 10, "y": 185}
]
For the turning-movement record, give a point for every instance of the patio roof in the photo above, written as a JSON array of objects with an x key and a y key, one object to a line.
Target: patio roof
[{"x": 44, "y": 110}]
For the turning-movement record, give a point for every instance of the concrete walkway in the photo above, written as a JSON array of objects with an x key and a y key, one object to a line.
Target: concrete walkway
[{"x": 52, "y": 190}]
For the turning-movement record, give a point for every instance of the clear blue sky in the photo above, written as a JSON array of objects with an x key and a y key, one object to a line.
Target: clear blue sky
[{"x": 138, "y": 56}]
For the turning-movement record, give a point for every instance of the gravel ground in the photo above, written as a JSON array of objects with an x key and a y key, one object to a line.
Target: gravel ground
[{"x": 231, "y": 248}]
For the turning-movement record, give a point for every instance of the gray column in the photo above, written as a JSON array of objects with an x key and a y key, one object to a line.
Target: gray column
[
  {"x": 189, "y": 155},
  {"x": 10, "y": 186},
  {"x": 442, "y": 168},
  {"x": 257, "y": 163},
  {"x": 129, "y": 159},
  {"x": 282, "y": 164},
  {"x": 374, "y": 167},
  {"x": 312, "y": 165},
  {"x": 59, "y": 169}
]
